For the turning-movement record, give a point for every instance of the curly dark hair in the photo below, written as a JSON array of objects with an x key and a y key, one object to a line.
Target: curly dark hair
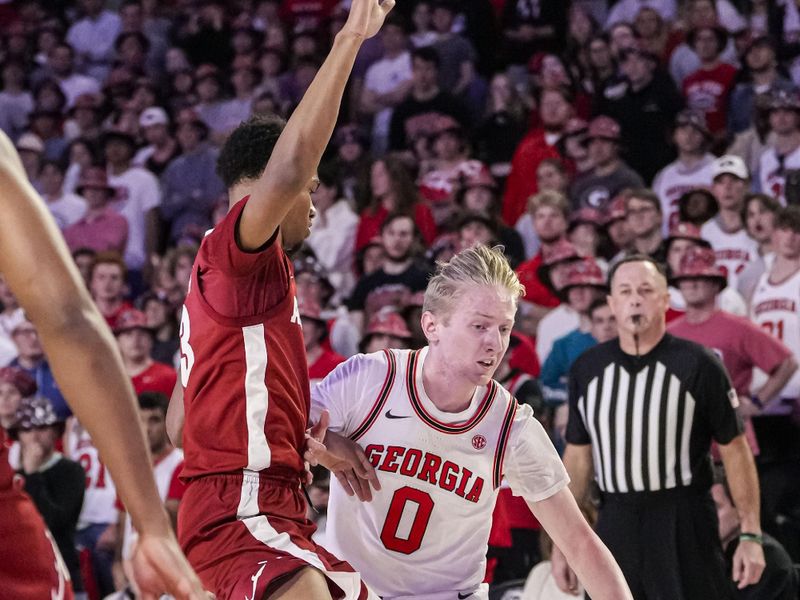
[{"x": 247, "y": 150}]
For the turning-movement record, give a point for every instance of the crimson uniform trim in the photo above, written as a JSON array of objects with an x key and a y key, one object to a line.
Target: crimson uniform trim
[
  {"x": 502, "y": 442},
  {"x": 383, "y": 395},
  {"x": 428, "y": 419}
]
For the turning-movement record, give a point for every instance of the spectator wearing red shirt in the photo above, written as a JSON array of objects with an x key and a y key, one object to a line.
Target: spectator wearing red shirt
[
  {"x": 740, "y": 344},
  {"x": 135, "y": 341},
  {"x": 100, "y": 229},
  {"x": 555, "y": 109},
  {"x": 321, "y": 359},
  {"x": 550, "y": 211},
  {"x": 707, "y": 90},
  {"x": 392, "y": 191},
  {"x": 108, "y": 279}
]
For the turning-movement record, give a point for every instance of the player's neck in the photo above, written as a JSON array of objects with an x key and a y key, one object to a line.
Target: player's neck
[{"x": 447, "y": 393}]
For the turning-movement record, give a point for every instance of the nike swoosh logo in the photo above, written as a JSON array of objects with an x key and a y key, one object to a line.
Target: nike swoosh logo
[
  {"x": 389, "y": 415},
  {"x": 463, "y": 596}
]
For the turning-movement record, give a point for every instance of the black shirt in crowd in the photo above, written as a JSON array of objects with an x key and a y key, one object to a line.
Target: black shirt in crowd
[
  {"x": 57, "y": 491},
  {"x": 650, "y": 419},
  {"x": 646, "y": 118}
]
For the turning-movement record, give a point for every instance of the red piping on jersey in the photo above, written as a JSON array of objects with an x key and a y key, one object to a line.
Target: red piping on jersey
[
  {"x": 377, "y": 407},
  {"x": 413, "y": 394},
  {"x": 502, "y": 442}
]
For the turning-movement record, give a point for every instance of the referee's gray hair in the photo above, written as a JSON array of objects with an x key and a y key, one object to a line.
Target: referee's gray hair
[{"x": 479, "y": 265}]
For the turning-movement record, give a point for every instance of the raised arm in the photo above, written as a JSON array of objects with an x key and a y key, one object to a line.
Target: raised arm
[
  {"x": 297, "y": 152},
  {"x": 87, "y": 366}
]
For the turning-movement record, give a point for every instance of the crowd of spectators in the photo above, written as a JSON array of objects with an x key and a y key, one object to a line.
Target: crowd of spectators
[{"x": 572, "y": 133}]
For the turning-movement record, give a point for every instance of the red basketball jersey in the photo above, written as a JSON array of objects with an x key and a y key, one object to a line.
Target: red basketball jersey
[{"x": 243, "y": 361}]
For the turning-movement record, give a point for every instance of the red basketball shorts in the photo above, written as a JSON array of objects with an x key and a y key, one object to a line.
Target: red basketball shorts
[
  {"x": 30, "y": 564},
  {"x": 246, "y": 534}
]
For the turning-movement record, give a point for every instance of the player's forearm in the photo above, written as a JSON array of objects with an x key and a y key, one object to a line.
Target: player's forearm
[
  {"x": 596, "y": 568},
  {"x": 740, "y": 469},
  {"x": 777, "y": 381},
  {"x": 577, "y": 460},
  {"x": 83, "y": 354},
  {"x": 299, "y": 148},
  {"x": 176, "y": 415}
]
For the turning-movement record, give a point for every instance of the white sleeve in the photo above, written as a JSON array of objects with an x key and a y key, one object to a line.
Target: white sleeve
[
  {"x": 532, "y": 466},
  {"x": 350, "y": 391},
  {"x": 151, "y": 191}
]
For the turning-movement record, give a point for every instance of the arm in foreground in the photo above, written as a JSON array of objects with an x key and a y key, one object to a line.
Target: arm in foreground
[
  {"x": 88, "y": 368},
  {"x": 588, "y": 556}
]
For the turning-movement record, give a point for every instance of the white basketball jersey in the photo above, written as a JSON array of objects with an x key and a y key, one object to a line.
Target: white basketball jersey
[
  {"x": 164, "y": 471},
  {"x": 772, "y": 177},
  {"x": 101, "y": 494},
  {"x": 733, "y": 251},
  {"x": 425, "y": 533},
  {"x": 674, "y": 180},
  {"x": 776, "y": 309}
]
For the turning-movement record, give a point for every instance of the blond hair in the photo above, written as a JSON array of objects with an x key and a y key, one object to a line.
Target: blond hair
[
  {"x": 550, "y": 198},
  {"x": 479, "y": 265}
]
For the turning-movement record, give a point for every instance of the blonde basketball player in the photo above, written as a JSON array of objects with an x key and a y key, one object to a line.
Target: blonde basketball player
[{"x": 440, "y": 435}]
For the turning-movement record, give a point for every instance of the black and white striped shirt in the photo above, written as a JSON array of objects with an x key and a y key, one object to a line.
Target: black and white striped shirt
[{"x": 650, "y": 420}]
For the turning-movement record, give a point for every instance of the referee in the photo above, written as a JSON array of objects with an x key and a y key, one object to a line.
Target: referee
[{"x": 643, "y": 411}]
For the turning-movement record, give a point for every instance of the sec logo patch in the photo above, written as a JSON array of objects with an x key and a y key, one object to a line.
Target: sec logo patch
[{"x": 479, "y": 442}]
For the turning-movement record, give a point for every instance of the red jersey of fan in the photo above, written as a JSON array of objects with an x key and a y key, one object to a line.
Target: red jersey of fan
[
  {"x": 158, "y": 377},
  {"x": 243, "y": 360},
  {"x": 535, "y": 290},
  {"x": 707, "y": 92},
  {"x": 521, "y": 183},
  {"x": 30, "y": 565},
  {"x": 326, "y": 363}
]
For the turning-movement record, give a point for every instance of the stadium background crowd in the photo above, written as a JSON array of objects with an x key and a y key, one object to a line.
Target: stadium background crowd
[{"x": 571, "y": 133}]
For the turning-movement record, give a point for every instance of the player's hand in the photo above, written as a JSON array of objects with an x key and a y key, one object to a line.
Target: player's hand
[
  {"x": 315, "y": 436},
  {"x": 366, "y": 17},
  {"x": 565, "y": 577},
  {"x": 748, "y": 563},
  {"x": 160, "y": 567},
  {"x": 347, "y": 461}
]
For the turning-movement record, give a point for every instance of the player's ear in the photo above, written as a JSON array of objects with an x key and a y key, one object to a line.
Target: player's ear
[{"x": 430, "y": 328}]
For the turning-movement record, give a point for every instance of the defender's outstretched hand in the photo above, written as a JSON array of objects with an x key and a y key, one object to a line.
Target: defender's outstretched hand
[{"x": 367, "y": 16}]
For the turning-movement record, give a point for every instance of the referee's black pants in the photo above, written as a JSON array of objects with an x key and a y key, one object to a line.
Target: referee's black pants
[{"x": 666, "y": 543}]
